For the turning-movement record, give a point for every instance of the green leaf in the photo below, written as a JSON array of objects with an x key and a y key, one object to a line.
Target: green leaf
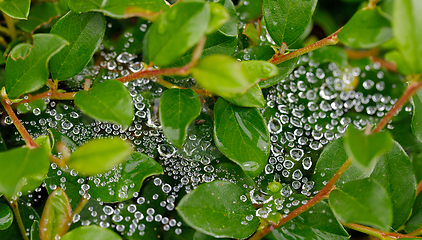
[
  {"x": 28, "y": 216},
  {"x": 249, "y": 10},
  {"x": 364, "y": 149},
  {"x": 216, "y": 209},
  {"x": 363, "y": 201},
  {"x": 35, "y": 231},
  {"x": 18, "y": 9},
  {"x": 108, "y": 101},
  {"x": 406, "y": 27},
  {"x": 400, "y": 60},
  {"x": 91, "y": 232},
  {"x": 19, "y": 166},
  {"x": 257, "y": 69},
  {"x": 178, "y": 108},
  {"x": 84, "y": 32},
  {"x": 415, "y": 221},
  {"x": 286, "y": 20},
  {"x": 330, "y": 161},
  {"x": 218, "y": 17},
  {"x": 251, "y": 32},
  {"x": 131, "y": 173},
  {"x": 176, "y": 31},
  {"x": 395, "y": 173},
  {"x": 37, "y": 106},
  {"x": 202, "y": 236},
  {"x": 285, "y": 68},
  {"x": 368, "y": 28},
  {"x": 242, "y": 135},
  {"x": 263, "y": 52},
  {"x": 318, "y": 222},
  {"x": 21, "y": 50},
  {"x": 24, "y": 75},
  {"x": 230, "y": 27},
  {"x": 118, "y": 9},
  {"x": 252, "y": 98},
  {"x": 40, "y": 14},
  {"x": 56, "y": 217},
  {"x": 6, "y": 216},
  {"x": 417, "y": 115},
  {"x": 329, "y": 54},
  {"x": 98, "y": 155}
]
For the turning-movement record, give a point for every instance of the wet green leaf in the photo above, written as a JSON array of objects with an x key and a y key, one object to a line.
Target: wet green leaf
[
  {"x": 178, "y": 108},
  {"x": 91, "y": 232},
  {"x": 35, "y": 231},
  {"x": 286, "y": 20},
  {"x": 242, "y": 135},
  {"x": 364, "y": 149},
  {"x": 285, "y": 68},
  {"x": 84, "y": 32},
  {"x": 216, "y": 209},
  {"x": 132, "y": 174},
  {"x": 6, "y": 216},
  {"x": 406, "y": 27},
  {"x": 263, "y": 52},
  {"x": 21, "y": 50},
  {"x": 252, "y": 98},
  {"x": 37, "y": 106},
  {"x": 258, "y": 69},
  {"x": 417, "y": 115},
  {"x": 176, "y": 31},
  {"x": 368, "y": 28},
  {"x": 98, "y": 155},
  {"x": 18, "y": 166},
  {"x": 395, "y": 173},
  {"x": 31, "y": 73},
  {"x": 329, "y": 54},
  {"x": 39, "y": 14},
  {"x": 218, "y": 17},
  {"x": 363, "y": 201},
  {"x": 202, "y": 236},
  {"x": 18, "y": 9},
  {"x": 56, "y": 217},
  {"x": 108, "y": 101}
]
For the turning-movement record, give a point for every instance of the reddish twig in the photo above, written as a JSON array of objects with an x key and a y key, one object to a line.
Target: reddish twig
[
  {"x": 52, "y": 95},
  {"x": 375, "y": 232}
]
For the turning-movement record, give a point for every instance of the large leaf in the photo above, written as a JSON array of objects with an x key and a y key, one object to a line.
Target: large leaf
[
  {"x": 363, "y": 201},
  {"x": 406, "y": 27},
  {"x": 18, "y": 9},
  {"x": 178, "y": 108},
  {"x": 6, "y": 216},
  {"x": 176, "y": 31},
  {"x": 99, "y": 155},
  {"x": 91, "y": 232},
  {"x": 84, "y": 32},
  {"x": 242, "y": 135},
  {"x": 216, "y": 209},
  {"x": 107, "y": 101},
  {"x": 56, "y": 217},
  {"x": 24, "y": 75},
  {"x": 395, "y": 173},
  {"x": 130, "y": 175},
  {"x": 286, "y": 20},
  {"x": 18, "y": 166}
]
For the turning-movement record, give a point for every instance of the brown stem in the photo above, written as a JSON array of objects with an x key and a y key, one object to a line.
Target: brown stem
[
  {"x": 330, "y": 40},
  {"x": 375, "y": 232},
  {"x": 51, "y": 95},
  {"x": 170, "y": 85},
  {"x": 419, "y": 188},
  {"x": 15, "y": 208},
  {"x": 82, "y": 202},
  {"x": 57, "y": 161}
]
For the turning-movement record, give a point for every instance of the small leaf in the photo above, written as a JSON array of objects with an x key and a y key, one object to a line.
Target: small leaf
[
  {"x": 24, "y": 75},
  {"x": 6, "y": 216},
  {"x": 40, "y": 14},
  {"x": 242, "y": 135},
  {"x": 415, "y": 221},
  {"x": 417, "y": 115},
  {"x": 178, "y": 108},
  {"x": 28, "y": 216},
  {"x": 18, "y": 166},
  {"x": 363, "y": 201},
  {"x": 216, "y": 209},
  {"x": 107, "y": 101},
  {"x": 84, "y": 32},
  {"x": 364, "y": 149},
  {"x": 285, "y": 68},
  {"x": 251, "y": 32},
  {"x": 406, "y": 27},
  {"x": 56, "y": 217},
  {"x": 21, "y": 50},
  {"x": 98, "y": 155},
  {"x": 18, "y": 9},
  {"x": 218, "y": 17},
  {"x": 230, "y": 27},
  {"x": 91, "y": 232},
  {"x": 257, "y": 69},
  {"x": 368, "y": 28},
  {"x": 329, "y": 54},
  {"x": 37, "y": 106},
  {"x": 35, "y": 231},
  {"x": 176, "y": 31},
  {"x": 286, "y": 20},
  {"x": 252, "y": 98},
  {"x": 202, "y": 236},
  {"x": 131, "y": 173}
]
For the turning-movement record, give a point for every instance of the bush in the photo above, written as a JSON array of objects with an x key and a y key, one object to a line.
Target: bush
[{"x": 200, "y": 120}]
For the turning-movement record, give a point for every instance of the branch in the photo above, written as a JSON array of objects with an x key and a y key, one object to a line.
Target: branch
[
  {"x": 53, "y": 95},
  {"x": 375, "y": 232},
  {"x": 419, "y": 188},
  {"x": 82, "y": 202}
]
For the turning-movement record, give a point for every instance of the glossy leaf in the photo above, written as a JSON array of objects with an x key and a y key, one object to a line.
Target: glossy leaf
[
  {"x": 230, "y": 27},
  {"x": 108, "y": 101},
  {"x": 202, "y": 236},
  {"x": 216, "y": 209},
  {"x": 178, "y": 108},
  {"x": 24, "y": 75},
  {"x": 395, "y": 173},
  {"x": 364, "y": 149},
  {"x": 176, "y": 31},
  {"x": 91, "y": 232},
  {"x": 417, "y": 115},
  {"x": 286, "y": 20},
  {"x": 6, "y": 216},
  {"x": 18, "y": 9},
  {"x": 406, "y": 22},
  {"x": 252, "y": 98},
  {"x": 284, "y": 68},
  {"x": 18, "y": 166},
  {"x": 242, "y": 135},
  {"x": 257, "y": 69},
  {"x": 263, "y": 52},
  {"x": 99, "y": 155},
  {"x": 56, "y": 217},
  {"x": 329, "y": 54},
  {"x": 37, "y": 106},
  {"x": 35, "y": 231},
  {"x": 132, "y": 173},
  {"x": 218, "y": 17},
  {"x": 363, "y": 201},
  {"x": 415, "y": 221},
  {"x": 84, "y": 32},
  {"x": 40, "y": 14}
]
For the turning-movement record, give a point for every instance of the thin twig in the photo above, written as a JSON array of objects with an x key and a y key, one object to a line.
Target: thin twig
[
  {"x": 52, "y": 95},
  {"x": 419, "y": 188},
  {"x": 375, "y": 232},
  {"x": 15, "y": 208},
  {"x": 82, "y": 202}
]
